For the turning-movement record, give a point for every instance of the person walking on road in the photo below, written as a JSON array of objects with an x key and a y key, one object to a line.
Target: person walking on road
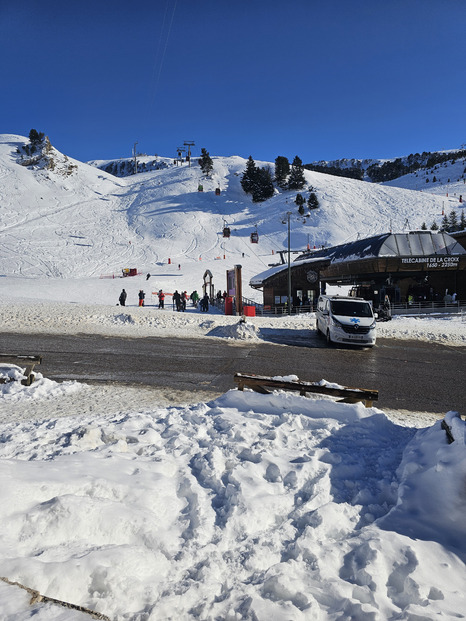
[{"x": 122, "y": 298}]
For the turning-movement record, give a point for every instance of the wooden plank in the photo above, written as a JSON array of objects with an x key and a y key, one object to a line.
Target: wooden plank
[
  {"x": 259, "y": 383},
  {"x": 447, "y": 430},
  {"x": 35, "y": 359}
]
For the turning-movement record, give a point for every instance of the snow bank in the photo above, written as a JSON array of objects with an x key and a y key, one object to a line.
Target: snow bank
[
  {"x": 67, "y": 318},
  {"x": 249, "y": 506}
]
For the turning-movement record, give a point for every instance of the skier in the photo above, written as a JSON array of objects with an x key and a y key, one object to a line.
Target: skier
[
  {"x": 184, "y": 297},
  {"x": 177, "y": 299},
  {"x": 122, "y": 298},
  {"x": 148, "y": 276},
  {"x": 141, "y": 296},
  {"x": 161, "y": 296},
  {"x": 194, "y": 298}
]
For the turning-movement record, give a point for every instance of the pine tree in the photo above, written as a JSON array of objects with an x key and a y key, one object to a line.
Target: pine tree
[
  {"x": 423, "y": 227},
  {"x": 249, "y": 178},
  {"x": 35, "y": 137},
  {"x": 263, "y": 188},
  {"x": 205, "y": 162},
  {"x": 434, "y": 226},
  {"x": 296, "y": 180},
  {"x": 452, "y": 222},
  {"x": 312, "y": 201},
  {"x": 462, "y": 222},
  {"x": 445, "y": 223},
  {"x": 282, "y": 170},
  {"x": 299, "y": 200}
]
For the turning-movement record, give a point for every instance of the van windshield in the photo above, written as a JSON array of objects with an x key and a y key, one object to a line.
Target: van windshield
[{"x": 348, "y": 308}]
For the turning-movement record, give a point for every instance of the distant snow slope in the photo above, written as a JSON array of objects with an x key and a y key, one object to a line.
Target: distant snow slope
[{"x": 89, "y": 223}]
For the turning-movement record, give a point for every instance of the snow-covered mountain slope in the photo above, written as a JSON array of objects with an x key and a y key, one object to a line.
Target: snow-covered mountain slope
[
  {"x": 84, "y": 222},
  {"x": 442, "y": 179},
  {"x": 413, "y": 166}
]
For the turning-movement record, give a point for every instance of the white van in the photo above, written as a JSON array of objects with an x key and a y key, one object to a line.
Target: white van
[{"x": 346, "y": 320}]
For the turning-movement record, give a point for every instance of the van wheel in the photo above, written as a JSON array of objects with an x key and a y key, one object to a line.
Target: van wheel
[{"x": 329, "y": 339}]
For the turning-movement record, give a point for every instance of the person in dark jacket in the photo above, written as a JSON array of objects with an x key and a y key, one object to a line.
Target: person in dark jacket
[
  {"x": 122, "y": 298},
  {"x": 205, "y": 303},
  {"x": 177, "y": 299},
  {"x": 141, "y": 296}
]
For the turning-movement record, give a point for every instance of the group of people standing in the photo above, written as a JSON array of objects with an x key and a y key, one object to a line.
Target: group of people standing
[{"x": 179, "y": 299}]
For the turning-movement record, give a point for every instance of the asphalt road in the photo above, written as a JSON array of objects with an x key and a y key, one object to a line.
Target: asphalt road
[{"x": 409, "y": 375}]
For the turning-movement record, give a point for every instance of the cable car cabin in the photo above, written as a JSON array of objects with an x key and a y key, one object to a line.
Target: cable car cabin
[
  {"x": 226, "y": 231},
  {"x": 200, "y": 188},
  {"x": 254, "y": 238},
  {"x": 217, "y": 191}
]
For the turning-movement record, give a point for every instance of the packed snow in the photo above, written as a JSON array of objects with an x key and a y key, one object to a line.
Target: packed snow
[
  {"x": 90, "y": 306},
  {"x": 246, "y": 507},
  {"x": 141, "y": 505}
]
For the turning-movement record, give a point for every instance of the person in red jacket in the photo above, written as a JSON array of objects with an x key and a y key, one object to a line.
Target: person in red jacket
[{"x": 161, "y": 296}]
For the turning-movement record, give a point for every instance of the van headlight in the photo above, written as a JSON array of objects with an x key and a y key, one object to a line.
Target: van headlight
[
  {"x": 373, "y": 324},
  {"x": 336, "y": 323}
]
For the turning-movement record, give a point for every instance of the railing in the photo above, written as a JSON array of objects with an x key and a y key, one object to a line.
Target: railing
[
  {"x": 424, "y": 307},
  {"x": 409, "y": 308},
  {"x": 277, "y": 311}
]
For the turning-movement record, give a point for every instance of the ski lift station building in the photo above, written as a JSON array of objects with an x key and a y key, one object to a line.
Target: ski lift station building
[{"x": 416, "y": 266}]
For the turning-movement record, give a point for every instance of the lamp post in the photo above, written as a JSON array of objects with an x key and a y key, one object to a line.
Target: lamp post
[
  {"x": 135, "y": 159},
  {"x": 288, "y": 213}
]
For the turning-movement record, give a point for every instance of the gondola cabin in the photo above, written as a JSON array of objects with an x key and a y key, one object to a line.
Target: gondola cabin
[
  {"x": 217, "y": 191},
  {"x": 226, "y": 231},
  {"x": 254, "y": 238},
  {"x": 200, "y": 188}
]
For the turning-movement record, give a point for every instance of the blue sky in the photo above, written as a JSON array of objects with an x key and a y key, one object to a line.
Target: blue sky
[{"x": 322, "y": 79}]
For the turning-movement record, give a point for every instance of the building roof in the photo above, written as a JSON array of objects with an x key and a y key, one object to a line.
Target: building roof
[
  {"x": 414, "y": 243},
  {"x": 257, "y": 281}
]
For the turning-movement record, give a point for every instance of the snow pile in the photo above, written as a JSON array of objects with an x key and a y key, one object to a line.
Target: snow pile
[
  {"x": 242, "y": 331},
  {"x": 10, "y": 373},
  {"x": 250, "y": 506},
  {"x": 444, "y": 329},
  {"x": 41, "y": 388},
  {"x": 19, "y": 314}
]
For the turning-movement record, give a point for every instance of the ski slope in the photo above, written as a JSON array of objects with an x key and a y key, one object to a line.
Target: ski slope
[{"x": 87, "y": 223}]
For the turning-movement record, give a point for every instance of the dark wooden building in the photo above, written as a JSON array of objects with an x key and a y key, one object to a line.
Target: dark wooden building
[{"x": 419, "y": 266}]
